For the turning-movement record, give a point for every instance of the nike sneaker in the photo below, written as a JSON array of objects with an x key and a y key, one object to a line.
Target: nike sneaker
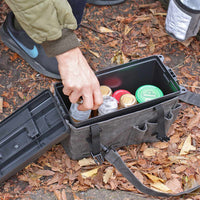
[
  {"x": 104, "y": 2},
  {"x": 31, "y": 52}
]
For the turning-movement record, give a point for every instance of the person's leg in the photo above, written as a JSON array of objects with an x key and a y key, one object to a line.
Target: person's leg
[
  {"x": 77, "y": 9},
  {"x": 17, "y": 40},
  {"x": 105, "y": 2}
]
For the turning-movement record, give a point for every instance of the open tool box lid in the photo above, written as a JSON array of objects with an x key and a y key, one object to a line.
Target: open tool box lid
[
  {"x": 29, "y": 132},
  {"x": 130, "y": 76},
  {"x": 43, "y": 121}
]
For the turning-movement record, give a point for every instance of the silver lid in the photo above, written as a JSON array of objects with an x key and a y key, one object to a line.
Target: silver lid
[{"x": 109, "y": 105}]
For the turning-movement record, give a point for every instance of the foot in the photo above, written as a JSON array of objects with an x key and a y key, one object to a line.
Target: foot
[
  {"x": 31, "y": 52},
  {"x": 104, "y": 2}
]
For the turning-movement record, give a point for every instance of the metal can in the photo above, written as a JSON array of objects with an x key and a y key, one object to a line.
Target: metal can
[
  {"x": 109, "y": 105},
  {"x": 118, "y": 93},
  {"x": 127, "y": 100},
  {"x": 105, "y": 90},
  {"x": 78, "y": 115},
  {"x": 147, "y": 93}
]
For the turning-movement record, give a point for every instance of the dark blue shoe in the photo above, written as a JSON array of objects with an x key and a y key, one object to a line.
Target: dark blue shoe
[
  {"x": 31, "y": 52},
  {"x": 104, "y": 2}
]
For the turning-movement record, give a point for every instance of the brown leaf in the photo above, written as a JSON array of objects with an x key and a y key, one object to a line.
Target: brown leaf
[
  {"x": 139, "y": 176},
  {"x": 76, "y": 197},
  {"x": 167, "y": 172},
  {"x": 149, "y": 152},
  {"x": 94, "y": 53},
  {"x": 55, "y": 179},
  {"x": 1, "y": 104},
  {"x": 86, "y": 162},
  {"x": 90, "y": 173},
  {"x": 180, "y": 169},
  {"x": 174, "y": 185},
  {"x": 161, "y": 145},
  {"x": 108, "y": 174},
  {"x": 6, "y": 104},
  {"x": 105, "y": 30},
  {"x": 194, "y": 85},
  {"x": 21, "y": 95},
  {"x": 194, "y": 121},
  {"x": 45, "y": 172},
  {"x": 160, "y": 187},
  {"x": 153, "y": 178},
  {"x": 151, "y": 46},
  {"x": 64, "y": 196},
  {"x": 187, "y": 147},
  {"x": 58, "y": 194}
]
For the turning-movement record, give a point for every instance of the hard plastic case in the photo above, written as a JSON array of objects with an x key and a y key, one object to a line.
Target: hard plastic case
[
  {"x": 130, "y": 76},
  {"x": 29, "y": 132},
  {"x": 44, "y": 121}
]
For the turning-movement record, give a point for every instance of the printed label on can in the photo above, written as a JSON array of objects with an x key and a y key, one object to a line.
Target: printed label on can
[{"x": 177, "y": 22}]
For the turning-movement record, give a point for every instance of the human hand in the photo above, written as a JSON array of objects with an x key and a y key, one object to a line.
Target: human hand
[{"x": 79, "y": 80}]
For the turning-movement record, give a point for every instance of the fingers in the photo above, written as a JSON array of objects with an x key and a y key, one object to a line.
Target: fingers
[{"x": 91, "y": 99}]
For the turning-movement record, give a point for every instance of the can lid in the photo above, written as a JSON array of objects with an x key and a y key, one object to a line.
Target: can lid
[
  {"x": 147, "y": 93},
  {"x": 118, "y": 93},
  {"x": 105, "y": 90},
  {"x": 127, "y": 100},
  {"x": 109, "y": 105}
]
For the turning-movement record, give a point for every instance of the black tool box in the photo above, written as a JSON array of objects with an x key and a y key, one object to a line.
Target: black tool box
[
  {"x": 44, "y": 121},
  {"x": 130, "y": 76}
]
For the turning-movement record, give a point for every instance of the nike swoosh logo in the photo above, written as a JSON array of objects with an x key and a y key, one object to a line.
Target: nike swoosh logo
[{"x": 33, "y": 53}]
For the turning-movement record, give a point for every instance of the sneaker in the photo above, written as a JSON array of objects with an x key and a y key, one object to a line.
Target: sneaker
[
  {"x": 104, "y": 2},
  {"x": 31, "y": 52}
]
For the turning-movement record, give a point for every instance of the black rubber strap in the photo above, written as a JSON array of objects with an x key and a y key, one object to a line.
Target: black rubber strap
[
  {"x": 191, "y": 98},
  {"x": 95, "y": 139},
  {"x": 114, "y": 158},
  {"x": 160, "y": 129}
]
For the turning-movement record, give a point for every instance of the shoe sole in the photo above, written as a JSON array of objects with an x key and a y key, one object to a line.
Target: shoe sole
[
  {"x": 105, "y": 3},
  {"x": 14, "y": 47}
]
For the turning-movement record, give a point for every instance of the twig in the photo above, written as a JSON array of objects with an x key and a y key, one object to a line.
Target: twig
[{"x": 88, "y": 27}]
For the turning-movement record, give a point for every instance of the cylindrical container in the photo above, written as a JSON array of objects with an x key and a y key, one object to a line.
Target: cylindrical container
[
  {"x": 127, "y": 100},
  {"x": 147, "y": 93},
  {"x": 182, "y": 21},
  {"x": 105, "y": 90},
  {"x": 109, "y": 105},
  {"x": 78, "y": 115},
  {"x": 118, "y": 93}
]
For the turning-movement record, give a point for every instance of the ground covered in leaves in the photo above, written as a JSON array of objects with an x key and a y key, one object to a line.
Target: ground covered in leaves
[{"x": 110, "y": 36}]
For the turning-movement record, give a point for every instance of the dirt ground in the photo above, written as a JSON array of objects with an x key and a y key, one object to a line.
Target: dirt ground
[{"x": 110, "y": 35}]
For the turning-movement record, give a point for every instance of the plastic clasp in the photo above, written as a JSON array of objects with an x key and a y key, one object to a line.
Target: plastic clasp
[{"x": 98, "y": 158}]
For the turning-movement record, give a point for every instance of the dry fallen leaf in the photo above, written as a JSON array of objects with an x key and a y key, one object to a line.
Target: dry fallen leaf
[
  {"x": 105, "y": 30},
  {"x": 90, "y": 173},
  {"x": 153, "y": 178},
  {"x": 45, "y": 172},
  {"x": 108, "y": 174},
  {"x": 76, "y": 197},
  {"x": 63, "y": 194},
  {"x": 160, "y": 187},
  {"x": 149, "y": 152},
  {"x": 194, "y": 121},
  {"x": 187, "y": 147},
  {"x": 161, "y": 145},
  {"x": 58, "y": 194},
  {"x": 174, "y": 185},
  {"x": 127, "y": 29},
  {"x": 94, "y": 53},
  {"x": 86, "y": 162},
  {"x": 21, "y": 95},
  {"x": 180, "y": 169}
]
